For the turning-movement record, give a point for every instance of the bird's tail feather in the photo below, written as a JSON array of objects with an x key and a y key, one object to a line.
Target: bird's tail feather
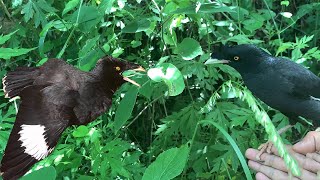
[{"x": 17, "y": 80}]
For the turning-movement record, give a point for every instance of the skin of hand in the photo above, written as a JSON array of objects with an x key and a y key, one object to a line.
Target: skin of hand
[{"x": 271, "y": 166}]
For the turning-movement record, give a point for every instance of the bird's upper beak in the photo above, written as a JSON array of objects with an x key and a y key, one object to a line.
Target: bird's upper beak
[
  {"x": 215, "y": 61},
  {"x": 139, "y": 69}
]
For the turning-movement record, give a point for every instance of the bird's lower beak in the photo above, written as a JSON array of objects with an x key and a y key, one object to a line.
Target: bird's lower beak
[
  {"x": 216, "y": 61},
  {"x": 131, "y": 81},
  {"x": 139, "y": 69}
]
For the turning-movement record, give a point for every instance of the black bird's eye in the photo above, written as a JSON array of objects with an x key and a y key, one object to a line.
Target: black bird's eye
[
  {"x": 236, "y": 58},
  {"x": 118, "y": 68}
]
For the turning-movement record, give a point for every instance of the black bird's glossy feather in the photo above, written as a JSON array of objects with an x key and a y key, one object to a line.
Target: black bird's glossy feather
[
  {"x": 53, "y": 97},
  {"x": 280, "y": 83}
]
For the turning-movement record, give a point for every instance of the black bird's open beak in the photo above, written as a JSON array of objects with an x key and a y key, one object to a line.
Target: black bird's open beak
[
  {"x": 216, "y": 61},
  {"x": 139, "y": 69}
]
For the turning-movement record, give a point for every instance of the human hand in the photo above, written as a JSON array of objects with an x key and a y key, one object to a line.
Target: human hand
[{"x": 272, "y": 166}]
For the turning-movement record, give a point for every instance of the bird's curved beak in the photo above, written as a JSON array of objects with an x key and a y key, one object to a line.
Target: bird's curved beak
[
  {"x": 126, "y": 78},
  {"x": 216, "y": 61}
]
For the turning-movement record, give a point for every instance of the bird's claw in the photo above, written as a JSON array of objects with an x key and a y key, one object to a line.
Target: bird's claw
[{"x": 266, "y": 147}]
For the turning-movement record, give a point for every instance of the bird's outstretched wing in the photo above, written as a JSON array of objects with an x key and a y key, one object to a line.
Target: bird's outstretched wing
[{"x": 43, "y": 115}]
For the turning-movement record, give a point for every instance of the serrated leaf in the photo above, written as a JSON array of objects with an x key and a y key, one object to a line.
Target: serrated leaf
[
  {"x": 7, "y": 53},
  {"x": 170, "y": 75},
  {"x": 189, "y": 49},
  {"x": 125, "y": 108},
  {"x": 48, "y": 173},
  {"x": 81, "y": 131},
  {"x": 168, "y": 164},
  {"x": 28, "y": 11}
]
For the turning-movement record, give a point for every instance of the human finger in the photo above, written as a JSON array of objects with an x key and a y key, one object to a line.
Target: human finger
[{"x": 309, "y": 144}]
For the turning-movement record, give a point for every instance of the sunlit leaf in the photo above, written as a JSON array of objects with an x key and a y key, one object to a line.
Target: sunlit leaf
[
  {"x": 168, "y": 164},
  {"x": 189, "y": 48},
  {"x": 81, "y": 131},
  {"x": 170, "y": 75},
  {"x": 7, "y": 53},
  {"x": 48, "y": 173}
]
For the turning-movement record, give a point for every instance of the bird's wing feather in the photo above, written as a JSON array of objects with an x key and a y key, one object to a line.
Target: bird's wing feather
[
  {"x": 90, "y": 108},
  {"x": 43, "y": 115},
  {"x": 302, "y": 81}
]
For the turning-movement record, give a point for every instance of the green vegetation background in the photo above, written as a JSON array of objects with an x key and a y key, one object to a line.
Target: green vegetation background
[{"x": 160, "y": 137}]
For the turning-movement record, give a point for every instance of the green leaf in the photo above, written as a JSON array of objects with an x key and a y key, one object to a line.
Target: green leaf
[
  {"x": 105, "y": 6},
  {"x": 204, "y": 8},
  {"x": 137, "y": 26},
  {"x": 28, "y": 11},
  {"x": 234, "y": 146},
  {"x": 189, "y": 49},
  {"x": 7, "y": 53},
  {"x": 70, "y": 5},
  {"x": 43, "y": 35},
  {"x": 5, "y": 38},
  {"x": 125, "y": 108},
  {"x": 48, "y": 173},
  {"x": 170, "y": 75},
  {"x": 81, "y": 131},
  {"x": 87, "y": 16},
  {"x": 90, "y": 43},
  {"x": 168, "y": 164}
]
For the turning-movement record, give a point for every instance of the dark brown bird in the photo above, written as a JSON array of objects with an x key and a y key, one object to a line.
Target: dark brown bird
[{"x": 53, "y": 97}]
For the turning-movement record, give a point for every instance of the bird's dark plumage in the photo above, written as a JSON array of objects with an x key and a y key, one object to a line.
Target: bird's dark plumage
[
  {"x": 53, "y": 97},
  {"x": 280, "y": 83}
]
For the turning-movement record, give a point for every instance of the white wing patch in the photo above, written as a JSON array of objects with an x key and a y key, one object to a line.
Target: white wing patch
[
  {"x": 313, "y": 98},
  {"x": 4, "y": 86},
  {"x": 34, "y": 141}
]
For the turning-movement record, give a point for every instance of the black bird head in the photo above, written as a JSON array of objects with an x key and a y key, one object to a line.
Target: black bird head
[
  {"x": 243, "y": 58},
  {"x": 110, "y": 70}
]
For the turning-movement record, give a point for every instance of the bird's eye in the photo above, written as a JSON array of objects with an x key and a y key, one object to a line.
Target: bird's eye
[
  {"x": 118, "y": 68},
  {"x": 236, "y": 58}
]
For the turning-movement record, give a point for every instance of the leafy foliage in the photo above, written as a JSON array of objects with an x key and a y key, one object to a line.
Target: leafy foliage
[{"x": 149, "y": 126}]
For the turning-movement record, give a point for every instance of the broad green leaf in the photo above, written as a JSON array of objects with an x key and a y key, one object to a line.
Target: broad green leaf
[
  {"x": 137, "y": 26},
  {"x": 47, "y": 173},
  {"x": 189, "y": 49},
  {"x": 125, "y": 108},
  {"x": 81, "y": 131},
  {"x": 89, "y": 60},
  {"x": 90, "y": 43},
  {"x": 87, "y": 16},
  {"x": 7, "y": 53},
  {"x": 5, "y": 38},
  {"x": 70, "y": 5},
  {"x": 168, "y": 164},
  {"x": 170, "y": 75}
]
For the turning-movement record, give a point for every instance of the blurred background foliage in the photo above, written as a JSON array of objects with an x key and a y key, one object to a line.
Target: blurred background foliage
[{"x": 160, "y": 136}]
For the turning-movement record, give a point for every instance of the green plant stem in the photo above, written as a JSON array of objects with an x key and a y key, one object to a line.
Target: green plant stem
[
  {"x": 274, "y": 22},
  {"x": 5, "y": 9},
  {"x": 71, "y": 34}
]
